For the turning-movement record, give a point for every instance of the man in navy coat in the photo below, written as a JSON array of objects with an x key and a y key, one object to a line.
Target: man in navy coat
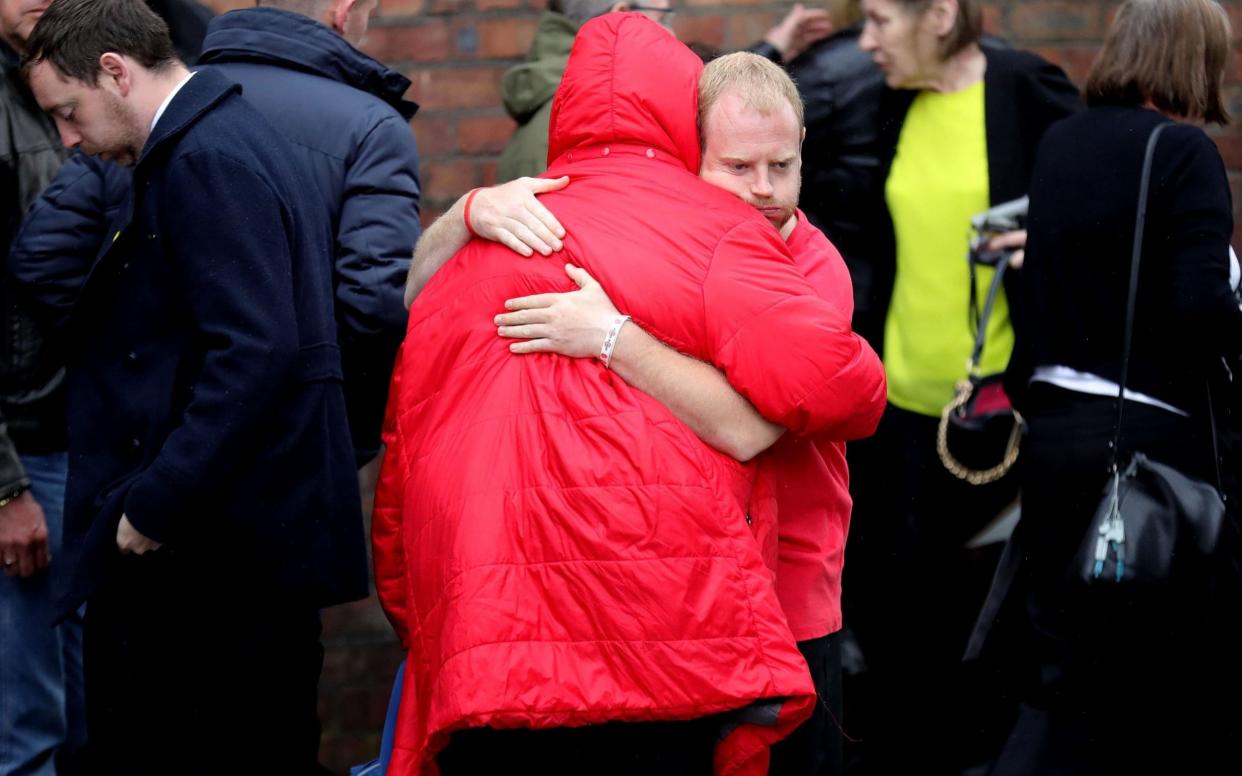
[
  {"x": 348, "y": 120},
  {"x": 212, "y": 505}
]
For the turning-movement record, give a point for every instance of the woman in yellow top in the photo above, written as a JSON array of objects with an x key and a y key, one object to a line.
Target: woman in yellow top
[{"x": 960, "y": 122}]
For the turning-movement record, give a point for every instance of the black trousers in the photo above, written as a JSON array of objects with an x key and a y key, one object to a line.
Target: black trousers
[
  {"x": 1123, "y": 681},
  {"x": 188, "y": 673},
  {"x": 612, "y": 749},
  {"x": 911, "y": 594},
  {"x": 816, "y": 747}
]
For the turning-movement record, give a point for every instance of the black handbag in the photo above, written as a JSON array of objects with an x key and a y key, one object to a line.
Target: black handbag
[
  {"x": 1150, "y": 514},
  {"x": 980, "y": 431}
]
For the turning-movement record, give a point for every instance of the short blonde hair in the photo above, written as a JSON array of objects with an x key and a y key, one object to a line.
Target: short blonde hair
[
  {"x": 761, "y": 83},
  {"x": 1171, "y": 53}
]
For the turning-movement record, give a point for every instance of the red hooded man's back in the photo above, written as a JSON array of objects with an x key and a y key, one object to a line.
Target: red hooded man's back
[{"x": 552, "y": 545}]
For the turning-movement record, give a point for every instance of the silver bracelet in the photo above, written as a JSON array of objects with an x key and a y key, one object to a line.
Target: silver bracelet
[{"x": 610, "y": 341}]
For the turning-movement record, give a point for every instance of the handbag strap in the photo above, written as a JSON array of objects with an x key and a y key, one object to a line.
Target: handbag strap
[
  {"x": 1136, "y": 255},
  {"x": 1135, "y": 260},
  {"x": 981, "y": 317}
]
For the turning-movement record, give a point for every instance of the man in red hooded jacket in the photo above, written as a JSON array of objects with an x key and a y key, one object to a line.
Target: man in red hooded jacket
[
  {"x": 553, "y": 546},
  {"x": 752, "y": 130}
]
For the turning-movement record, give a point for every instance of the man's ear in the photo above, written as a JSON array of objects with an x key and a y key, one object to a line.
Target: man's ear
[
  {"x": 115, "y": 73},
  {"x": 340, "y": 12},
  {"x": 803, "y": 140}
]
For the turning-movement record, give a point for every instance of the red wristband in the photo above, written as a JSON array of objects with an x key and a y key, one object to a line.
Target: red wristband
[{"x": 466, "y": 212}]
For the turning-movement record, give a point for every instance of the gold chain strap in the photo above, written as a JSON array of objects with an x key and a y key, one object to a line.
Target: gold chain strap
[{"x": 974, "y": 476}]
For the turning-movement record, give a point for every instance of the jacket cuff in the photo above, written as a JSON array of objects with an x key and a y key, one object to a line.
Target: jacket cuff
[
  {"x": 12, "y": 473},
  {"x": 153, "y": 503}
]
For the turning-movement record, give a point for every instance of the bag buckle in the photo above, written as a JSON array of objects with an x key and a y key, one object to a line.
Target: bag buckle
[{"x": 1112, "y": 535}]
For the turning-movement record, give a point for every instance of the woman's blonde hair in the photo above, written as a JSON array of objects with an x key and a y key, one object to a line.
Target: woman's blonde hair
[{"x": 1169, "y": 53}]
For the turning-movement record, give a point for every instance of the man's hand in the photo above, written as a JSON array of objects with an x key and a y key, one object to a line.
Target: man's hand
[
  {"x": 574, "y": 323},
  {"x": 128, "y": 539},
  {"x": 512, "y": 214},
  {"x": 23, "y": 537},
  {"x": 799, "y": 30},
  {"x": 1010, "y": 241}
]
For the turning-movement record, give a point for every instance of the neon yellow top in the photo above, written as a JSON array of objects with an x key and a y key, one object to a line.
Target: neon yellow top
[{"x": 939, "y": 179}]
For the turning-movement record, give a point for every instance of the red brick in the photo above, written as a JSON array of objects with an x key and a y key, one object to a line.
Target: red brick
[
  {"x": 488, "y": 173},
  {"x": 430, "y": 214},
  {"x": 471, "y": 87},
  {"x": 449, "y": 179},
  {"x": 1234, "y": 10},
  {"x": 1074, "y": 60},
  {"x": 425, "y": 42},
  {"x": 358, "y": 621},
  {"x": 745, "y": 29},
  {"x": 993, "y": 19},
  {"x": 388, "y": 8},
  {"x": 706, "y": 28},
  {"x": 703, "y": 3},
  {"x": 1056, "y": 21},
  {"x": 224, "y": 6},
  {"x": 1233, "y": 101},
  {"x": 435, "y": 135},
  {"x": 1233, "y": 67},
  {"x": 448, "y": 6},
  {"x": 1230, "y": 146},
  {"x": 504, "y": 38},
  {"x": 484, "y": 134},
  {"x": 365, "y": 707}
]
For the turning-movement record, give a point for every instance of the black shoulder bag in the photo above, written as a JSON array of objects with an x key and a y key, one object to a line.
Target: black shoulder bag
[{"x": 1149, "y": 511}]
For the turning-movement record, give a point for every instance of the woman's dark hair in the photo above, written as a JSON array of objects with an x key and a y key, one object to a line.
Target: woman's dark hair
[
  {"x": 1169, "y": 53},
  {"x": 73, "y": 34}
]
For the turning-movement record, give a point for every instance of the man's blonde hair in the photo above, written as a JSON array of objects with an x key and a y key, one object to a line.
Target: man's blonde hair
[{"x": 762, "y": 84}]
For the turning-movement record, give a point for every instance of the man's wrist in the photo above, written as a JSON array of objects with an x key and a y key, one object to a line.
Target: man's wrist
[{"x": 610, "y": 339}]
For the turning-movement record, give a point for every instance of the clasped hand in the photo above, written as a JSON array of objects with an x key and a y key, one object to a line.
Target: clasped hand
[{"x": 573, "y": 323}]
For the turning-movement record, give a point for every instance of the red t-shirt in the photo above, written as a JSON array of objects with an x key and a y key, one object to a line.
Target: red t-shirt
[{"x": 806, "y": 480}]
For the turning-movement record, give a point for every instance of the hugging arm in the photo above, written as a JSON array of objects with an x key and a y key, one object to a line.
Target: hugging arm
[
  {"x": 509, "y": 213},
  {"x": 575, "y": 324}
]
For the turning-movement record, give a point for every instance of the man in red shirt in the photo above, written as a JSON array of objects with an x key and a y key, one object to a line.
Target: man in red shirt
[{"x": 752, "y": 131}]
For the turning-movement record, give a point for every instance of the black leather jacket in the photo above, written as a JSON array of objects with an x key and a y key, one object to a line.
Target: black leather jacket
[
  {"x": 32, "y": 413},
  {"x": 841, "y": 184}
]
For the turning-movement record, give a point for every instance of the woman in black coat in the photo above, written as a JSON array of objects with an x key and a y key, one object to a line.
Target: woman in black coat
[
  {"x": 960, "y": 123},
  {"x": 1121, "y": 680}
]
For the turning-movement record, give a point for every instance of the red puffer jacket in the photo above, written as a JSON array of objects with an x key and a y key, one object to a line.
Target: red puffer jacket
[{"x": 553, "y": 547}]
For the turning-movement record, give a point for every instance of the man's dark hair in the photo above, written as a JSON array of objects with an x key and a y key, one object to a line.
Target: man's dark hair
[{"x": 74, "y": 34}]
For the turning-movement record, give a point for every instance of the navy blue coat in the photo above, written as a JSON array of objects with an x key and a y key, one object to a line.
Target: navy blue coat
[
  {"x": 348, "y": 121},
  {"x": 205, "y": 397}
]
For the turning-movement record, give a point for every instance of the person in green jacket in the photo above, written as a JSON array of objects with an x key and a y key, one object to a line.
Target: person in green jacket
[{"x": 528, "y": 88}]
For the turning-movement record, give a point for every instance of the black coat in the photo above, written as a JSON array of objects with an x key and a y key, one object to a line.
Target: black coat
[
  {"x": 205, "y": 398},
  {"x": 347, "y": 118},
  {"x": 1023, "y": 96}
]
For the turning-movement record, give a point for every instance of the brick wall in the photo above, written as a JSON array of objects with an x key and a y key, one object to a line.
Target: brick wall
[{"x": 455, "y": 51}]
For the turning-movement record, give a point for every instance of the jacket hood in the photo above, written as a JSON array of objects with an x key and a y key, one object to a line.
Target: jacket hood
[
  {"x": 529, "y": 86},
  {"x": 274, "y": 37},
  {"x": 629, "y": 81}
]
